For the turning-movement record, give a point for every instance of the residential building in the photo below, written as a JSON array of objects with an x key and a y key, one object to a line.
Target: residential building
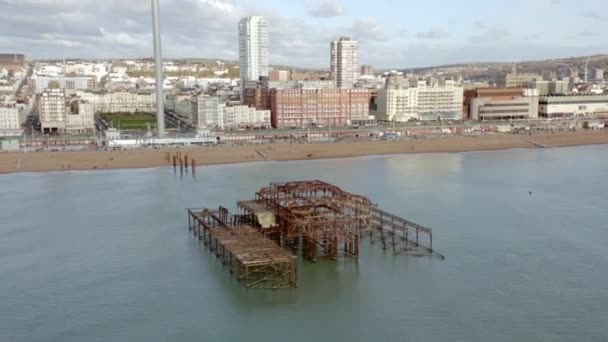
[
  {"x": 41, "y": 83},
  {"x": 405, "y": 99},
  {"x": 279, "y": 75},
  {"x": 520, "y": 80},
  {"x": 207, "y": 112},
  {"x": 245, "y": 116},
  {"x": 494, "y": 105},
  {"x": 10, "y": 120},
  {"x": 80, "y": 118},
  {"x": 367, "y": 70},
  {"x": 572, "y": 105},
  {"x": 318, "y": 107},
  {"x": 344, "y": 62},
  {"x": 120, "y": 101},
  {"x": 253, "y": 49},
  {"x": 52, "y": 110}
]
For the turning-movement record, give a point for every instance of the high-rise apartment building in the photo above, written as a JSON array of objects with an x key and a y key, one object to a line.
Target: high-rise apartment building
[
  {"x": 253, "y": 49},
  {"x": 52, "y": 110},
  {"x": 345, "y": 62}
]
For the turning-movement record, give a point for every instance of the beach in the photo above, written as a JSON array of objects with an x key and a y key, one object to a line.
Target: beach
[{"x": 146, "y": 158}]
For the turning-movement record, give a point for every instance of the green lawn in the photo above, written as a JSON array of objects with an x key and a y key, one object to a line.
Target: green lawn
[{"x": 132, "y": 121}]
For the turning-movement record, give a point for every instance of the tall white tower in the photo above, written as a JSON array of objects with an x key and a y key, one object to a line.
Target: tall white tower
[
  {"x": 345, "y": 62},
  {"x": 253, "y": 50}
]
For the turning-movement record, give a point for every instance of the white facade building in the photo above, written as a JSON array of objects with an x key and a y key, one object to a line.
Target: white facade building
[
  {"x": 245, "y": 116},
  {"x": 572, "y": 105},
  {"x": 406, "y": 99},
  {"x": 81, "y": 118},
  {"x": 253, "y": 49},
  {"x": 121, "y": 101},
  {"x": 10, "y": 120},
  {"x": 65, "y": 82},
  {"x": 207, "y": 112},
  {"x": 344, "y": 62},
  {"x": 52, "y": 110}
]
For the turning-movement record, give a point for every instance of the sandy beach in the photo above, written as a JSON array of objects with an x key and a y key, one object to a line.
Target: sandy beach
[{"x": 144, "y": 158}]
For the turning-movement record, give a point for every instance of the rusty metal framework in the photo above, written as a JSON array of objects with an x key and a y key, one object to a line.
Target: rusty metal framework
[
  {"x": 255, "y": 260},
  {"x": 315, "y": 218}
]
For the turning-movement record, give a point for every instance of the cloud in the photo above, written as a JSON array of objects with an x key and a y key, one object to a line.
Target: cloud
[
  {"x": 327, "y": 9},
  {"x": 487, "y": 34},
  {"x": 595, "y": 16},
  {"x": 368, "y": 29},
  {"x": 432, "y": 34}
]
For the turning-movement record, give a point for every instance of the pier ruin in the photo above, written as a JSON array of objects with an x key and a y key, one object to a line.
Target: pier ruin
[{"x": 315, "y": 219}]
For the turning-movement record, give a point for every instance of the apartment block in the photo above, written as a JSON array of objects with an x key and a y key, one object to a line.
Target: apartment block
[
  {"x": 279, "y": 75},
  {"x": 52, "y": 111},
  {"x": 10, "y": 119},
  {"x": 121, "y": 101},
  {"x": 207, "y": 112},
  {"x": 520, "y": 80},
  {"x": 253, "y": 49},
  {"x": 246, "y": 117},
  {"x": 344, "y": 62},
  {"x": 41, "y": 83}
]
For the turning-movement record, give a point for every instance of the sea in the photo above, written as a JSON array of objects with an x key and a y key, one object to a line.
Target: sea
[{"x": 107, "y": 256}]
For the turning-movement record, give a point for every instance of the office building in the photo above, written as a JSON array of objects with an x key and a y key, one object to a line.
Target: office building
[
  {"x": 572, "y": 105},
  {"x": 318, "y": 107},
  {"x": 344, "y": 62},
  {"x": 555, "y": 87},
  {"x": 514, "y": 79},
  {"x": 253, "y": 50},
  {"x": 495, "y": 104}
]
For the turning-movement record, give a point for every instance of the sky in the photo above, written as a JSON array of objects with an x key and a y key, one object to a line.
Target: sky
[{"x": 392, "y": 33}]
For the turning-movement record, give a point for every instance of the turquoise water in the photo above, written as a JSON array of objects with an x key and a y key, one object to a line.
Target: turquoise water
[{"x": 106, "y": 255}]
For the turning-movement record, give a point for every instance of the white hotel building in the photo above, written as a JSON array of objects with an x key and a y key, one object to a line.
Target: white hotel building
[{"x": 412, "y": 99}]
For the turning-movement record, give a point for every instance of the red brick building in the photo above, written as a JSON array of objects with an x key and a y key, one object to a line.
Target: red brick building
[{"x": 315, "y": 107}]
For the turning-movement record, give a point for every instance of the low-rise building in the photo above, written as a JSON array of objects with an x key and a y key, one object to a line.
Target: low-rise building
[
  {"x": 520, "y": 80},
  {"x": 120, "y": 101},
  {"x": 522, "y": 106},
  {"x": 245, "y": 116},
  {"x": 573, "y": 105},
  {"x": 41, "y": 83}
]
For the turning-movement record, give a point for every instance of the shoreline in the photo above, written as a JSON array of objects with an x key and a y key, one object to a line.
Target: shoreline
[{"x": 149, "y": 158}]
